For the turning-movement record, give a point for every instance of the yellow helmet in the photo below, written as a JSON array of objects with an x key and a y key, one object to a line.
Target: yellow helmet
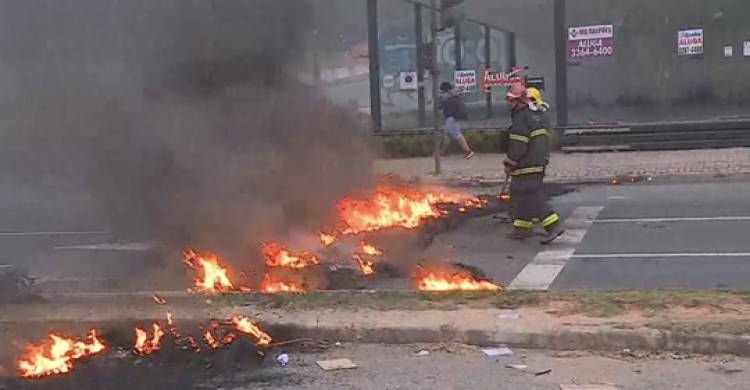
[{"x": 535, "y": 95}]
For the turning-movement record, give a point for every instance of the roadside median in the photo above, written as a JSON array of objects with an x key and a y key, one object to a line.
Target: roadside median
[{"x": 695, "y": 322}]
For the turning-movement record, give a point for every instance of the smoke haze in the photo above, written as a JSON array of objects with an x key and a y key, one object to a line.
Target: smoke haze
[{"x": 182, "y": 117}]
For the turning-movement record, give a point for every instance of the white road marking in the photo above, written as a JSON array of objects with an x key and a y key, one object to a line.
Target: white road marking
[
  {"x": 123, "y": 247},
  {"x": 547, "y": 265},
  {"x": 583, "y": 217},
  {"x": 674, "y": 219},
  {"x": 72, "y": 233},
  {"x": 617, "y": 197},
  {"x": 559, "y": 256},
  {"x": 659, "y": 255},
  {"x": 536, "y": 277},
  {"x": 72, "y": 280},
  {"x": 571, "y": 237}
]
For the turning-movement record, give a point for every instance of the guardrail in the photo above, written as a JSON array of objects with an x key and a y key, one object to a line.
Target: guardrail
[
  {"x": 466, "y": 127},
  {"x": 656, "y": 136}
]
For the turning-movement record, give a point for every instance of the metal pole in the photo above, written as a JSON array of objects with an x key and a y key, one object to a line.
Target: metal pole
[
  {"x": 561, "y": 63},
  {"x": 374, "y": 56},
  {"x": 436, "y": 133},
  {"x": 488, "y": 65},
  {"x": 420, "y": 63},
  {"x": 457, "y": 37},
  {"x": 511, "y": 49}
]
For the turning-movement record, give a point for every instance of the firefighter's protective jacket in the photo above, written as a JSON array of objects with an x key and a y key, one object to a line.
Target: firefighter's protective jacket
[{"x": 528, "y": 149}]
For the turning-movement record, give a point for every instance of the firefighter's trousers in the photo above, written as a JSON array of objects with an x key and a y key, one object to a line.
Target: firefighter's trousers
[{"x": 530, "y": 202}]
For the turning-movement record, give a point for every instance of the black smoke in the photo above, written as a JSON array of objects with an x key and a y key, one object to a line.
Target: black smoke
[{"x": 183, "y": 119}]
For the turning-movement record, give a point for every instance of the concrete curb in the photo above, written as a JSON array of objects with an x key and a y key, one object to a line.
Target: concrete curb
[
  {"x": 655, "y": 178},
  {"x": 606, "y": 340},
  {"x": 480, "y": 327},
  {"x": 593, "y": 339}
]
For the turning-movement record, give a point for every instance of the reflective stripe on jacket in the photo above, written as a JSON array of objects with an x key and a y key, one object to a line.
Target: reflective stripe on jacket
[{"x": 529, "y": 142}]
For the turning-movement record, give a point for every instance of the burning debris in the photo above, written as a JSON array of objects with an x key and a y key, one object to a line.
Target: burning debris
[
  {"x": 212, "y": 274},
  {"x": 366, "y": 248},
  {"x": 214, "y": 342},
  {"x": 248, "y": 327},
  {"x": 159, "y": 300},
  {"x": 366, "y": 266},
  {"x": 56, "y": 355},
  {"x": 398, "y": 206},
  {"x": 452, "y": 281},
  {"x": 364, "y": 255},
  {"x": 277, "y": 255},
  {"x": 193, "y": 343},
  {"x": 143, "y": 344},
  {"x": 171, "y": 326},
  {"x": 390, "y": 206},
  {"x": 327, "y": 239},
  {"x": 271, "y": 285}
]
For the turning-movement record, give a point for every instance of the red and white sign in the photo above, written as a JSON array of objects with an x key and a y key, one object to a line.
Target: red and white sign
[
  {"x": 465, "y": 81},
  {"x": 500, "y": 79},
  {"x": 690, "y": 42},
  {"x": 591, "y": 41}
]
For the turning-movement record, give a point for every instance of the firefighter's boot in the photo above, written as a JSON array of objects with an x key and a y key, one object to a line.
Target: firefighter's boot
[
  {"x": 519, "y": 234},
  {"x": 522, "y": 230},
  {"x": 553, "y": 232}
]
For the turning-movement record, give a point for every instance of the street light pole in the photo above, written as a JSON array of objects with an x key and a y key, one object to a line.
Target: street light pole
[{"x": 437, "y": 135}]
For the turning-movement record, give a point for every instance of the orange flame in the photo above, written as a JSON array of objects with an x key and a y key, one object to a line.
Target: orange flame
[
  {"x": 145, "y": 346},
  {"x": 210, "y": 339},
  {"x": 390, "y": 206},
  {"x": 366, "y": 266},
  {"x": 208, "y": 335},
  {"x": 271, "y": 286},
  {"x": 369, "y": 249},
  {"x": 193, "y": 343},
  {"x": 171, "y": 326},
  {"x": 212, "y": 274},
  {"x": 278, "y": 255},
  {"x": 327, "y": 239},
  {"x": 456, "y": 281},
  {"x": 228, "y": 338},
  {"x": 505, "y": 197},
  {"x": 159, "y": 300},
  {"x": 56, "y": 356},
  {"x": 246, "y": 326}
]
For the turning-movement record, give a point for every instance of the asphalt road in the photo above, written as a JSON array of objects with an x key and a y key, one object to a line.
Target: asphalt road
[
  {"x": 639, "y": 236},
  {"x": 441, "y": 367},
  {"x": 456, "y": 367},
  {"x": 663, "y": 236},
  {"x": 647, "y": 235}
]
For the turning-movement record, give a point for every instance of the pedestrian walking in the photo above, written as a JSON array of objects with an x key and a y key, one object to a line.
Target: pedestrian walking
[
  {"x": 526, "y": 162},
  {"x": 454, "y": 110}
]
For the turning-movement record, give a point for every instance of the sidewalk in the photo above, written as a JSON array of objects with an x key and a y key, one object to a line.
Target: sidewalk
[{"x": 580, "y": 168}]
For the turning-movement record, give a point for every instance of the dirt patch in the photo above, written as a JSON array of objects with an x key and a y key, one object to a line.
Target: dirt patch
[{"x": 638, "y": 308}]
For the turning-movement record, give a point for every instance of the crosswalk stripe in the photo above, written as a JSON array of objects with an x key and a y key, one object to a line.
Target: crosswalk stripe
[{"x": 540, "y": 273}]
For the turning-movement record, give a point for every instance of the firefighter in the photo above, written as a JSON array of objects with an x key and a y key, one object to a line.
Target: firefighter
[{"x": 527, "y": 159}]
